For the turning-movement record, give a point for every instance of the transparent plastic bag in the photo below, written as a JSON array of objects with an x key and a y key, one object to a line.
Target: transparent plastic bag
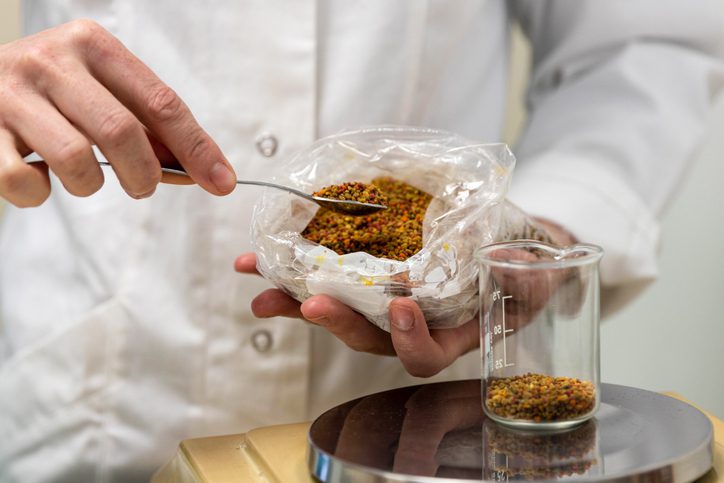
[{"x": 468, "y": 181}]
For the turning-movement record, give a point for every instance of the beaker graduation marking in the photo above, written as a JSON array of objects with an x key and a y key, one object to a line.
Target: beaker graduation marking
[
  {"x": 500, "y": 474},
  {"x": 498, "y": 330}
]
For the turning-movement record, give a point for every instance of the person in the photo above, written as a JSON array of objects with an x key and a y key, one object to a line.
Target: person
[{"x": 125, "y": 329}]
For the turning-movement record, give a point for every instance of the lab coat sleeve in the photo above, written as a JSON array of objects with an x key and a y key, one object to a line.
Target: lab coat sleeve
[{"x": 618, "y": 100}]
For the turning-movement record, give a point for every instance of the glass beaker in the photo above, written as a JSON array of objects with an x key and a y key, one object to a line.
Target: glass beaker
[{"x": 539, "y": 329}]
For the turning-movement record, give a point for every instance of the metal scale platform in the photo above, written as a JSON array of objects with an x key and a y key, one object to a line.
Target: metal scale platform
[{"x": 437, "y": 432}]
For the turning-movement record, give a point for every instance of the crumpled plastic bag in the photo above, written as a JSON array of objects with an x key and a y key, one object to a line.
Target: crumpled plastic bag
[{"x": 468, "y": 181}]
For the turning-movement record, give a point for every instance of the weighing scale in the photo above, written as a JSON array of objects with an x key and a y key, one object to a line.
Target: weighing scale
[{"x": 437, "y": 433}]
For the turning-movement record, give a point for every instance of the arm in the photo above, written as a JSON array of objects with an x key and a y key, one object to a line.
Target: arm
[{"x": 618, "y": 100}]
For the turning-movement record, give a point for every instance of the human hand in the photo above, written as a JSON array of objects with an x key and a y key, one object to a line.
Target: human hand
[
  {"x": 530, "y": 290},
  {"x": 75, "y": 85},
  {"x": 422, "y": 351}
]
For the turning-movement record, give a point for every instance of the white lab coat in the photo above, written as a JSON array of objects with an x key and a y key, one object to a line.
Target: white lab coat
[{"x": 124, "y": 326}]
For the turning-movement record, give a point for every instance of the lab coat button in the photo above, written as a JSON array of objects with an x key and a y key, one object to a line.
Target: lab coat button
[
  {"x": 261, "y": 340},
  {"x": 267, "y": 144}
]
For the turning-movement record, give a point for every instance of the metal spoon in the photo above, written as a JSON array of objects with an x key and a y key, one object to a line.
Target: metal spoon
[{"x": 345, "y": 207}]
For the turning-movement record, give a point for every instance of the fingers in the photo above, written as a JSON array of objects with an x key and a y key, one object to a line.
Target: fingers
[
  {"x": 246, "y": 263},
  {"x": 21, "y": 184},
  {"x": 75, "y": 85},
  {"x": 67, "y": 152},
  {"x": 347, "y": 325},
  {"x": 168, "y": 160},
  {"x": 275, "y": 303},
  {"x": 344, "y": 323},
  {"x": 157, "y": 106},
  {"x": 424, "y": 353},
  {"x": 117, "y": 132}
]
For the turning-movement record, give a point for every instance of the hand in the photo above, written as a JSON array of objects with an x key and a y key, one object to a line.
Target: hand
[
  {"x": 75, "y": 85},
  {"x": 422, "y": 351},
  {"x": 531, "y": 290}
]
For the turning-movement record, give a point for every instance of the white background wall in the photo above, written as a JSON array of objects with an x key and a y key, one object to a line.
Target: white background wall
[{"x": 672, "y": 337}]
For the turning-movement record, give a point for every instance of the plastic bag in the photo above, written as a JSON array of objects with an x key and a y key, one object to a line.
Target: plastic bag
[{"x": 468, "y": 181}]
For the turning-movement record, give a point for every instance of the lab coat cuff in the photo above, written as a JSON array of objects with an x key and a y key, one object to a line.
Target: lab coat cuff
[{"x": 597, "y": 207}]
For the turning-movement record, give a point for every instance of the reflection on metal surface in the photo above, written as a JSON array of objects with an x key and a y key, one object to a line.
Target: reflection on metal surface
[
  {"x": 532, "y": 455},
  {"x": 437, "y": 432}
]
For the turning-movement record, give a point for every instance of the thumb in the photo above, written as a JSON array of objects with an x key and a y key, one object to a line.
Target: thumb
[{"x": 417, "y": 350}]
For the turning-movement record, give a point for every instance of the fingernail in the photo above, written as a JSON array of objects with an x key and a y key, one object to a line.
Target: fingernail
[
  {"x": 402, "y": 318},
  {"x": 222, "y": 177}
]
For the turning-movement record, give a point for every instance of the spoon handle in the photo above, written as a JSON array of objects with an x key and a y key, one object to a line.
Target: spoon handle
[
  {"x": 181, "y": 172},
  {"x": 347, "y": 207}
]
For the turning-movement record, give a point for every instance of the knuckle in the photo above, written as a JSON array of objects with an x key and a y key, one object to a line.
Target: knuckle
[
  {"x": 198, "y": 147},
  {"x": 94, "y": 41},
  {"x": 69, "y": 155},
  {"x": 164, "y": 104},
  {"x": 10, "y": 92},
  {"x": 117, "y": 125},
  {"x": 36, "y": 57},
  {"x": 84, "y": 30},
  {"x": 70, "y": 162},
  {"x": 34, "y": 65}
]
